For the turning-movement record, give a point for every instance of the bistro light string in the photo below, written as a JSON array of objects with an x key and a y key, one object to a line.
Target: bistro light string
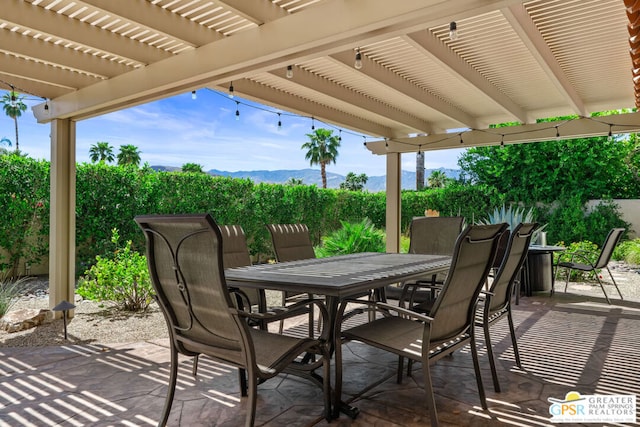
[
  {"x": 552, "y": 125},
  {"x": 20, "y": 91},
  {"x": 278, "y": 115}
]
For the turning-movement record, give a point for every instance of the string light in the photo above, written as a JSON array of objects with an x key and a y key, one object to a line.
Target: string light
[
  {"x": 289, "y": 71},
  {"x": 557, "y": 133},
  {"x": 340, "y": 135},
  {"x": 231, "y": 94},
  {"x": 610, "y": 136},
  {"x": 193, "y": 94},
  {"x": 461, "y": 141},
  {"x": 279, "y": 122},
  {"x": 46, "y": 105},
  {"x": 237, "y": 111},
  {"x": 419, "y": 149},
  {"x": 386, "y": 144},
  {"x": 313, "y": 123},
  {"x": 502, "y": 140},
  {"x": 453, "y": 31},
  {"x": 358, "y": 63}
]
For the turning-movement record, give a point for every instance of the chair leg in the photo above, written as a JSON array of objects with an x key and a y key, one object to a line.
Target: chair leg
[
  {"x": 194, "y": 369},
  {"x": 253, "y": 398},
  {"x": 173, "y": 377},
  {"x": 428, "y": 389},
  {"x": 476, "y": 367},
  {"x": 492, "y": 362},
  {"x": 602, "y": 287},
  {"x": 614, "y": 283},
  {"x": 337, "y": 386},
  {"x": 242, "y": 377},
  {"x": 514, "y": 341}
]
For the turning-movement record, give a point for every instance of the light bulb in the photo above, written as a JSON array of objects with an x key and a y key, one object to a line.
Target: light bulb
[
  {"x": 237, "y": 112},
  {"x": 289, "y": 71},
  {"x": 193, "y": 94},
  {"x": 358, "y": 64},
  {"x": 231, "y": 94},
  {"x": 610, "y": 136},
  {"x": 453, "y": 31}
]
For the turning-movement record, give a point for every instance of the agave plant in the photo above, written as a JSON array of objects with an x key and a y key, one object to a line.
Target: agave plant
[{"x": 513, "y": 216}]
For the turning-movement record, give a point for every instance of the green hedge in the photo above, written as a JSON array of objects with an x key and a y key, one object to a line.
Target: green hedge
[{"x": 109, "y": 197}]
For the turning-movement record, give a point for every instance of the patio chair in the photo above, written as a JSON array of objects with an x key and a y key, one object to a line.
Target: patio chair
[
  {"x": 585, "y": 265},
  {"x": 449, "y": 324},
  {"x": 184, "y": 254},
  {"x": 496, "y": 302},
  {"x": 431, "y": 236},
  {"x": 292, "y": 242}
]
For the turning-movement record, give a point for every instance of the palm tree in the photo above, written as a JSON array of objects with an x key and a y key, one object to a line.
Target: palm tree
[
  {"x": 437, "y": 179},
  {"x": 129, "y": 155},
  {"x": 192, "y": 167},
  {"x": 322, "y": 149},
  {"x": 13, "y": 107},
  {"x": 101, "y": 152}
]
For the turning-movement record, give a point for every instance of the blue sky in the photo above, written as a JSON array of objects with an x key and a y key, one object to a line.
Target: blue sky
[{"x": 179, "y": 130}]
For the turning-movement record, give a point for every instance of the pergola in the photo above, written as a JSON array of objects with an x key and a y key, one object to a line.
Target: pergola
[{"x": 512, "y": 61}]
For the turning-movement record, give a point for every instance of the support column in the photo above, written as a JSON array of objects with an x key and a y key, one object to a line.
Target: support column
[
  {"x": 62, "y": 233},
  {"x": 394, "y": 186}
]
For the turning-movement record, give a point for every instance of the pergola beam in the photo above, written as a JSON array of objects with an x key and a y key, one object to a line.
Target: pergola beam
[{"x": 583, "y": 127}]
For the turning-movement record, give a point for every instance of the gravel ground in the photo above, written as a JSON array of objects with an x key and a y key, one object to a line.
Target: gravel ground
[{"x": 102, "y": 323}]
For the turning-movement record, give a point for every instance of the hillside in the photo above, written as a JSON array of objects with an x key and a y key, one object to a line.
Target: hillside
[{"x": 312, "y": 177}]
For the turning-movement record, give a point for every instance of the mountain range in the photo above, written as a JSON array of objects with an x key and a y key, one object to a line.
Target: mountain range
[{"x": 312, "y": 177}]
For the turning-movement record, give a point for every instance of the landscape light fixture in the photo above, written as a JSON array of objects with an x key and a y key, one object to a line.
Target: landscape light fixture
[
  {"x": 358, "y": 64},
  {"x": 64, "y": 307},
  {"x": 289, "y": 71},
  {"x": 453, "y": 31},
  {"x": 231, "y": 94}
]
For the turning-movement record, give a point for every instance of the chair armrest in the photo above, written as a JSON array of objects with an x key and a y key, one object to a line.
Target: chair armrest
[{"x": 406, "y": 312}]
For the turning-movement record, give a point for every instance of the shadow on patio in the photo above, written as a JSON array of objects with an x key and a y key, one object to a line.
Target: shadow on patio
[{"x": 567, "y": 343}]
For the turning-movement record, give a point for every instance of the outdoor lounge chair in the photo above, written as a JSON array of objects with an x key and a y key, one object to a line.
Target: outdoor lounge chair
[
  {"x": 496, "y": 302},
  {"x": 582, "y": 262},
  {"x": 184, "y": 254},
  {"x": 449, "y": 324}
]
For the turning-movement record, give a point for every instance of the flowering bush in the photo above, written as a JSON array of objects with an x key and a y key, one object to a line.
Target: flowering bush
[{"x": 123, "y": 278}]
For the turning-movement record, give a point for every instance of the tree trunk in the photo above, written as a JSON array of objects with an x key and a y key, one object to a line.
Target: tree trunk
[
  {"x": 419, "y": 170},
  {"x": 15, "y": 120},
  {"x": 323, "y": 173}
]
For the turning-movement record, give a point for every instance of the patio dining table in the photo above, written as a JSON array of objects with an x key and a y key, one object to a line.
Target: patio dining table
[{"x": 338, "y": 277}]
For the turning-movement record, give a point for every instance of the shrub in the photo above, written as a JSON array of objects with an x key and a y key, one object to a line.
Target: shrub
[
  {"x": 628, "y": 251},
  {"x": 123, "y": 278},
  {"x": 352, "y": 238},
  {"x": 10, "y": 290}
]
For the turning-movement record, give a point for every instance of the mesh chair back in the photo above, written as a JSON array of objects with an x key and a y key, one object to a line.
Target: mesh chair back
[
  {"x": 434, "y": 235},
  {"x": 184, "y": 254},
  {"x": 291, "y": 242},
  {"x": 516, "y": 250},
  {"x": 609, "y": 245},
  {"x": 235, "y": 253},
  {"x": 473, "y": 254},
  {"x": 501, "y": 251}
]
